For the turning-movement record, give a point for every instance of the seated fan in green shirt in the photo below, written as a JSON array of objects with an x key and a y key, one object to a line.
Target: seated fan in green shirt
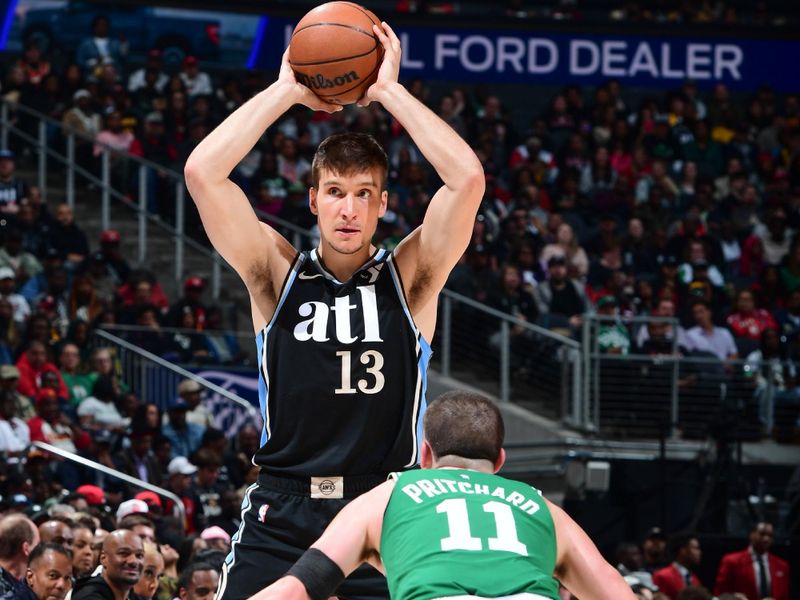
[{"x": 455, "y": 529}]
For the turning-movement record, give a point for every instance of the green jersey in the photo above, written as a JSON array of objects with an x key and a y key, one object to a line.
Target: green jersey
[{"x": 453, "y": 532}]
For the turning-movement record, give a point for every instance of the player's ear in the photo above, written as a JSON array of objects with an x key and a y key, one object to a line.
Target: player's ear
[
  {"x": 501, "y": 459},
  {"x": 384, "y": 203},
  {"x": 425, "y": 455},
  {"x": 312, "y": 200}
]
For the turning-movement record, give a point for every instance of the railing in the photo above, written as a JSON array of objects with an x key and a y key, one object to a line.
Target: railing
[
  {"x": 134, "y": 481},
  {"x": 156, "y": 380},
  {"x": 694, "y": 396}
]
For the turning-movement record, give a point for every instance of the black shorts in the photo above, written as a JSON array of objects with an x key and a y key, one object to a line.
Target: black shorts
[{"x": 279, "y": 522}]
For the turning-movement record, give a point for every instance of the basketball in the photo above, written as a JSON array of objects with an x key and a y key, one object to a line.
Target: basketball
[{"x": 334, "y": 51}]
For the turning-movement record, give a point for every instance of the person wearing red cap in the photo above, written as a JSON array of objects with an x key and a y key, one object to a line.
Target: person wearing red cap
[
  {"x": 93, "y": 494},
  {"x": 112, "y": 257},
  {"x": 197, "y": 82},
  {"x": 193, "y": 289}
]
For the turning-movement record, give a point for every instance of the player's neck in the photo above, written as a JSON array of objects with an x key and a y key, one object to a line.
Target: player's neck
[
  {"x": 342, "y": 266},
  {"x": 459, "y": 462}
]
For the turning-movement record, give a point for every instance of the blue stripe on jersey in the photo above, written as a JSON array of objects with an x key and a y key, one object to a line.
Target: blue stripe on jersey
[
  {"x": 424, "y": 353},
  {"x": 261, "y": 350}
]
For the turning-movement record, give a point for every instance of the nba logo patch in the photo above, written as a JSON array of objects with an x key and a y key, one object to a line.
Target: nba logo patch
[{"x": 262, "y": 513}]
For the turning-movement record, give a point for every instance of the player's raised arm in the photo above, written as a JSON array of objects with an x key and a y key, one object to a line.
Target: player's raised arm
[
  {"x": 447, "y": 227},
  {"x": 580, "y": 567},
  {"x": 227, "y": 216}
]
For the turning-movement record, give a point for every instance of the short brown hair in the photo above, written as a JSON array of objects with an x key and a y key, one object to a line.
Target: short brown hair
[
  {"x": 131, "y": 521},
  {"x": 464, "y": 424},
  {"x": 348, "y": 154},
  {"x": 14, "y": 531}
]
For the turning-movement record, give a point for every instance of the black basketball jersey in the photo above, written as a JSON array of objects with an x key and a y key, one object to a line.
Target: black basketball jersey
[{"x": 342, "y": 373}]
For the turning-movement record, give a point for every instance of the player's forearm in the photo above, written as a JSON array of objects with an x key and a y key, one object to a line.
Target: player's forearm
[
  {"x": 286, "y": 588},
  {"x": 219, "y": 153},
  {"x": 450, "y": 155}
]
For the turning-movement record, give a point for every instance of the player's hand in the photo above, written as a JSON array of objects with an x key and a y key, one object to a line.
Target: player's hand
[
  {"x": 302, "y": 94},
  {"x": 390, "y": 66}
]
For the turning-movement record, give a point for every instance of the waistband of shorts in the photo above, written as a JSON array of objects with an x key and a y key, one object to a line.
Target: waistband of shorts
[{"x": 331, "y": 487}]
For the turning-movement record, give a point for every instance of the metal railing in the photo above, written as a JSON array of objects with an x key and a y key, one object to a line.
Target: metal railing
[
  {"x": 129, "y": 479},
  {"x": 661, "y": 391},
  {"x": 519, "y": 360},
  {"x": 156, "y": 380},
  {"x": 131, "y": 181}
]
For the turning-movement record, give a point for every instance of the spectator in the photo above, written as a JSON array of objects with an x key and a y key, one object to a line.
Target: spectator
[
  {"x": 52, "y": 426},
  {"x": 217, "y": 538},
  {"x": 197, "y": 82},
  {"x": 83, "y": 560},
  {"x": 139, "y": 460},
  {"x": 133, "y": 515},
  {"x": 138, "y": 78},
  {"x": 612, "y": 336},
  {"x": 654, "y": 550},
  {"x": 707, "y": 337},
  {"x": 291, "y": 165},
  {"x": 198, "y": 582},
  {"x": 629, "y": 563},
  {"x": 223, "y": 347},
  {"x": 152, "y": 571},
  {"x": 566, "y": 245},
  {"x": 113, "y": 136},
  {"x": 37, "y": 284},
  {"x": 78, "y": 382},
  {"x": 9, "y": 379},
  {"x": 775, "y": 375},
  {"x": 57, "y": 531},
  {"x": 98, "y": 411},
  {"x": 32, "y": 365},
  {"x": 82, "y": 121},
  {"x": 664, "y": 308},
  {"x": 229, "y": 520},
  {"x": 179, "y": 482},
  {"x": 560, "y": 295},
  {"x": 185, "y": 437},
  {"x": 685, "y": 550},
  {"x": 66, "y": 237},
  {"x": 206, "y": 486},
  {"x": 122, "y": 558},
  {"x": 191, "y": 392},
  {"x": 12, "y": 189},
  {"x": 193, "y": 289},
  {"x": 84, "y": 305},
  {"x": 18, "y": 537},
  {"x": 14, "y": 433},
  {"x": 99, "y": 274},
  {"x": 776, "y": 236},
  {"x": 747, "y": 321},
  {"x": 98, "y": 47},
  {"x": 24, "y": 264},
  {"x": 112, "y": 257},
  {"x": 48, "y": 576},
  {"x": 754, "y": 571},
  {"x": 22, "y": 309}
]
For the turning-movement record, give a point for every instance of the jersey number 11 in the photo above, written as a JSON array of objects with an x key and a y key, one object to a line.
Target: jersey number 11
[{"x": 461, "y": 538}]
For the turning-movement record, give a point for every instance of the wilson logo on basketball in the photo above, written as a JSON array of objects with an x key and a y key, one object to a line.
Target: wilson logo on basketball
[{"x": 319, "y": 82}]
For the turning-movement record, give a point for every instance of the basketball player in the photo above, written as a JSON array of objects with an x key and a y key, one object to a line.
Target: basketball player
[
  {"x": 455, "y": 529},
  {"x": 343, "y": 331}
]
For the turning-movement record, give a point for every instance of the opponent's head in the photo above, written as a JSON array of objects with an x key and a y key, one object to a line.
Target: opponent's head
[
  {"x": 462, "y": 425},
  {"x": 348, "y": 177}
]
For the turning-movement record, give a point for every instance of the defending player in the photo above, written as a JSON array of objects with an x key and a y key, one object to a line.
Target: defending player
[
  {"x": 455, "y": 529},
  {"x": 342, "y": 332}
]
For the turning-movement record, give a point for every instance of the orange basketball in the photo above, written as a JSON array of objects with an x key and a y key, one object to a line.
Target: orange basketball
[{"x": 334, "y": 51}]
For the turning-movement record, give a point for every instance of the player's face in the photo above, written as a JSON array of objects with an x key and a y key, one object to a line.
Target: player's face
[{"x": 348, "y": 208}]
